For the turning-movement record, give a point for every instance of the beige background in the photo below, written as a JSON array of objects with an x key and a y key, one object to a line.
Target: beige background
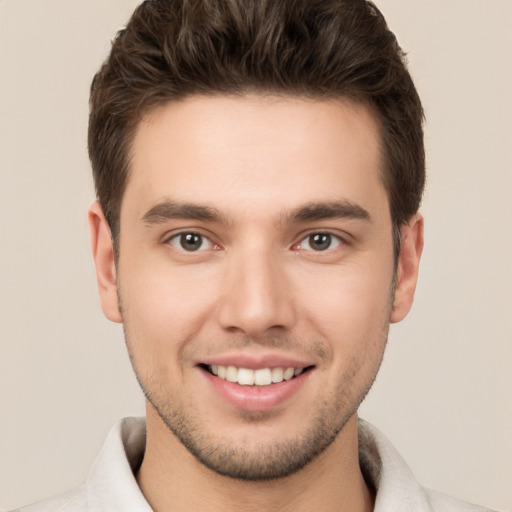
[{"x": 444, "y": 394}]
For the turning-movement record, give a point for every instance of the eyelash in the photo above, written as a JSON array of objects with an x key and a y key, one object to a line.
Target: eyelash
[
  {"x": 178, "y": 239},
  {"x": 331, "y": 238}
]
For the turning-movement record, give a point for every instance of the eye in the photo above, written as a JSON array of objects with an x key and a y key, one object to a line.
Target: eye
[
  {"x": 191, "y": 242},
  {"x": 319, "y": 242}
]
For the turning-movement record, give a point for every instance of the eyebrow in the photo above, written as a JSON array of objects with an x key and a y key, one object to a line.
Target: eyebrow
[
  {"x": 168, "y": 209},
  {"x": 310, "y": 212},
  {"x": 330, "y": 210}
]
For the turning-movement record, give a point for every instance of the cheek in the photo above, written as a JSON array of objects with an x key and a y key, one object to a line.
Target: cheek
[
  {"x": 165, "y": 302},
  {"x": 349, "y": 305},
  {"x": 352, "y": 316}
]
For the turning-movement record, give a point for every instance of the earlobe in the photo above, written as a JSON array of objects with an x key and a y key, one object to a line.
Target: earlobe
[
  {"x": 103, "y": 254},
  {"x": 407, "y": 268}
]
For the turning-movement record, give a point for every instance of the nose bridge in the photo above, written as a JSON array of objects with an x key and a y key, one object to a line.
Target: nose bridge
[{"x": 256, "y": 295}]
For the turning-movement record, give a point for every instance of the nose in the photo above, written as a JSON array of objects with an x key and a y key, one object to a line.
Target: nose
[{"x": 257, "y": 297}]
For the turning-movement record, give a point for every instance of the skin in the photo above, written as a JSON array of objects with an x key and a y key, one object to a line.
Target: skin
[{"x": 274, "y": 171}]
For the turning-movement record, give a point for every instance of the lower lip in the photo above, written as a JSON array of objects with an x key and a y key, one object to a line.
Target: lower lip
[{"x": 256, "y": 398}]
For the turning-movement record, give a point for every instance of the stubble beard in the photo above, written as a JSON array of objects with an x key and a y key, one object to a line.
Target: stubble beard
[
  {"x": 267, "y": 462},
  {"x": 262, "y": 461}
]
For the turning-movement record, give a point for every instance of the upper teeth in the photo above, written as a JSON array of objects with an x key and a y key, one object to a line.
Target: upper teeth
[{"x": 261, "y": 377}]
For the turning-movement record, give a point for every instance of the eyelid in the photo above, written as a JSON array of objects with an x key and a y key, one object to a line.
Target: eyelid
[
  {"x": 174, "y": 235},
  {"x": 343, "y": 239}
]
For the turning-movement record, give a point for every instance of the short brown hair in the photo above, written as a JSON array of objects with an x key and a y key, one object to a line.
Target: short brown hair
[{"x": 171, "y": 49}]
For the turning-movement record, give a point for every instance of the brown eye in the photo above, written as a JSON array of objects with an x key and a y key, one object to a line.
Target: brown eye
[
  {"x": 320, "y": 241},
  {"x": 190, "y": 242}
]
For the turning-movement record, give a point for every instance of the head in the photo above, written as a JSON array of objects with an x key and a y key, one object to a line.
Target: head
[
  {"x": 259, "y": 166},
  {"x": 314, "y": 49}
]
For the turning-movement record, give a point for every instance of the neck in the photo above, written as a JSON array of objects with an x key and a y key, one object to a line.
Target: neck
[{"x": 172, "y": 479}]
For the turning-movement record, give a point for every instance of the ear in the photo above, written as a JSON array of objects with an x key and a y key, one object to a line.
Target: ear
[
  {"x": 407, "y": 268},
  {"x": 103, "y": 254}
]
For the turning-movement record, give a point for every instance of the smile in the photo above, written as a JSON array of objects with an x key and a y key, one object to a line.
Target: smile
[
  {"x": 258, "y": 377},
  {"x": 257, "y": 386}
]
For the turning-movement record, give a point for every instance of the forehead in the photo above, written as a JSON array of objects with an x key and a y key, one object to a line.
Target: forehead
[{"x": 256, "y": 151}]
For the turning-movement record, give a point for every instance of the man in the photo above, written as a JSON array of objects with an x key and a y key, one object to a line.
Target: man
[{"x": 259, "y": 168}]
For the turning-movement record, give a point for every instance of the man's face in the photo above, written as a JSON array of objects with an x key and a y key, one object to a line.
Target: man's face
[{"x": 256, "y": 245}]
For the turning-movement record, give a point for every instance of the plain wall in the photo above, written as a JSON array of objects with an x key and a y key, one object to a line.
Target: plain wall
[{"x": 444, "y": 393}]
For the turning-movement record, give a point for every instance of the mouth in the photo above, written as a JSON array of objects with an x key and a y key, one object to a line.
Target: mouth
[{"x": 255, "y": 377}]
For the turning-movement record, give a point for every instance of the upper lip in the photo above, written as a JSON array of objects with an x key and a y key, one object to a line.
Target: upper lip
[{"x": 254, "y": 362}]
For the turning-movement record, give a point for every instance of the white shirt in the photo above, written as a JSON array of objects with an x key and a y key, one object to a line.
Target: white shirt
[{"x": 111, "y": 484}]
